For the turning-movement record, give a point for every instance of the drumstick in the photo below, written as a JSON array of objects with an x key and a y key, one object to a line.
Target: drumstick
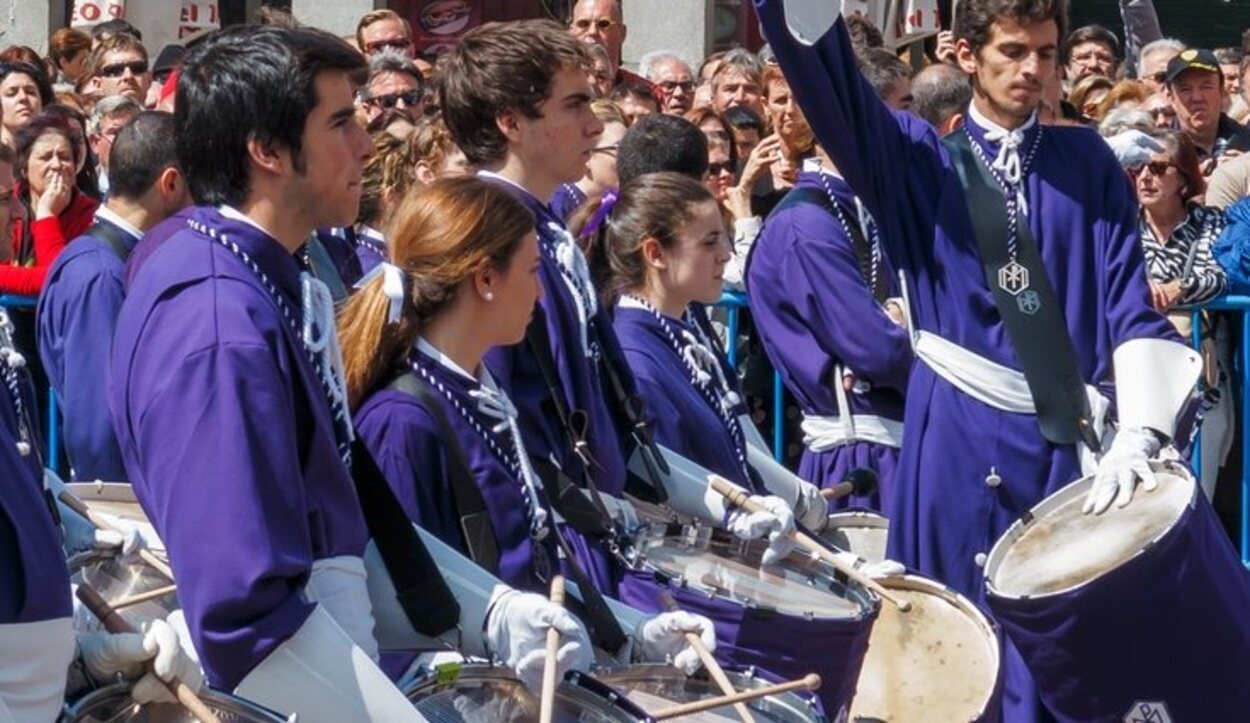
[
  {"x": 860, "y": 482},
  {"x": 548, "y": 700},
  {"x": 144, "y": 597},
  {"x": 709, "y": 663},
  {"x": 99, "y": 521},
  {"x": 739, "y": 497},
  {"x": 811, "y": 681},
  {"x": 114, "y": 623}
]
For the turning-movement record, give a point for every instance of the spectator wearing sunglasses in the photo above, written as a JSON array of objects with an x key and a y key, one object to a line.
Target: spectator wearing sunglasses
[
  {"x": 1152, "y": 64},
  {"x": 384, "y": 30},
  {"x": 119, "y": 66},
  {"x": 600, "y": 21},
  {"x": 673, "y": 80},
  {"x": 394, "y": 82}
]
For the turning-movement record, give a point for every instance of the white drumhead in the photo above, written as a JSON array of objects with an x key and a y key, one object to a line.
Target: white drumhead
[
  {"x": 1061, "y": 548},
  {"x": 937, "y": 662},
  {"x": 859, "y": 531}
]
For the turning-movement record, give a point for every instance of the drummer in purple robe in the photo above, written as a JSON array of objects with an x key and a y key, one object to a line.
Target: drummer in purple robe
[
  {"x": 824, "y": 298},
  {"x": 517, "y": 99},
  {"x": 466, "y": 278},
  {"x": 1018, "y": 308},
  {"x": 228, "y": 398}
]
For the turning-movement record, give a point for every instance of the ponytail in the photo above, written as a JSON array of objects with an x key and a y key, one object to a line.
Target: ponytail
[{"x": 372, "y": 345}]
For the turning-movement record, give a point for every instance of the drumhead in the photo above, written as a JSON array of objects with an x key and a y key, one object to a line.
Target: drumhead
[
  {"x": 939, "y": 661},
  {"x": 487, "y": 694},
  {"x": 862, "y": 532},
  {"x": 655, "y": 687},
  {"x": 730, "y": 569},
  {"x": 117, "y": 581},
  {"x": 114, "y": 705},
  {"x": 1057, "y": 547}
]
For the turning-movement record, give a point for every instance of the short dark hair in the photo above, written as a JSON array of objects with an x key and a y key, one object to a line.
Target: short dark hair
[
  {"x": 34, "y": 72},
  {"x": 116, "y": 27},
  {"x": 637, "y": 90},
  {"x": 144, "y": 148},
  {"x": 742, "y": 118},
  {"x": 1090, "y": 34},
  {"x": 939, "y": 92},
  {"x": 662, "y": 142},
  {"x": 1229, "y": 56},
  {"x": 499, "y": 68},
  {"x": 882, "y": 69},
  {"x": 249, "y": 82},
  {"x": 975, "y": 17}
]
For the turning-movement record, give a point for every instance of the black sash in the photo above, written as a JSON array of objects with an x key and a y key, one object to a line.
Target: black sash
[
  {"x": 422, "y": 592},
  {"x": 317, "y": 258},
  {"x": 475, "y": 523},
  {"x": 116, "y": 239},
  {"x": 859, "y": 243},
  {"x": 1032, "y": 315}
]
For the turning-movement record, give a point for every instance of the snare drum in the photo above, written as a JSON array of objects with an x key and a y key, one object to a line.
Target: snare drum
[
  {"x": 474, "y": 693},
  {"x": 656, "y": 687},
  {"x": 859, "y": 531},
  {"x": 114, "y": 705},
  {"x": 1135, "y": 614},
  {"x": 939, "y": 661},
  {"x": 127, "y": 585},
  {"x": 792, "y": 619}
]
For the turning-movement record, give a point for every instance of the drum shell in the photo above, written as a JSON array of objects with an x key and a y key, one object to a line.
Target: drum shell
[
  {"x": 862, "y": 532},
  {"x": 785, "y": 646},
  {"x": 1168, "y": 625},
  {"x": 109, "y": 704}
]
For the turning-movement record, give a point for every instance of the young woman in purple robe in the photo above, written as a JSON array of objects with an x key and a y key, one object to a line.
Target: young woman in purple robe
[{"x": 463, "y": 278}]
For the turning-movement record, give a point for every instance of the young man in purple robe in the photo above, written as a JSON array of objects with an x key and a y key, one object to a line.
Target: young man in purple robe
[
  {"x": 83, "y": 293},
  {"x": 228, "y": 399},
  {"x": 984, "y": 442}
]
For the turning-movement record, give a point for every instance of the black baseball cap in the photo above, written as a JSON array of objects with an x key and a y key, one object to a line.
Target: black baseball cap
[{"x": 1192, "y": 59}]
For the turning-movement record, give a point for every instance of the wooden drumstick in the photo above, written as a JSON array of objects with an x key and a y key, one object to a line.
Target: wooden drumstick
[
  {"x": 114, "y": 623},
  {"x": 811, "y": 681},
  {"x": 547, "y": 702},
  {"x": 739, "y": 497},
  {"x": 709, "y": 663},
  {"x": 144, "y": 597},
  {"x": 99, "y": 521},
  {"x": 860, "y": 481}
]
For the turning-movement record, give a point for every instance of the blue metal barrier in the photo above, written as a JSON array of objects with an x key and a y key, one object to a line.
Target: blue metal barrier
[
  {"x": 52, "y": 457},
  {"x": 733, "y": 302}
]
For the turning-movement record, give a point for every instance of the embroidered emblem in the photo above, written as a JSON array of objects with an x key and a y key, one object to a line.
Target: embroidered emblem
[
  {"x": 1148, "y": 712},
  {"x": 1013, "y": 278},
  {"x": 1029, "y": 302}
]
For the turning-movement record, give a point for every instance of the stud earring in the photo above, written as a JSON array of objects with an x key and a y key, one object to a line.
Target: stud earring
[{"x": 489, "y": 296}]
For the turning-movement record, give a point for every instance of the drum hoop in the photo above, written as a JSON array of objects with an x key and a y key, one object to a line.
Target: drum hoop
[
  {"x": 1062, "y": 497},
  {"x": 100, "y": 491},
  {"x": 867, "y": 602},
  {"x": 918, "y": 583},
  {"x": 858, "y": 518},
  {"x": 661, "y": 671},
  {"x": 209, "y": 695}
]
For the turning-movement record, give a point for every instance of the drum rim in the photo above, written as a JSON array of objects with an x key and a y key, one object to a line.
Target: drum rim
[
  {"x": 209, "y": 695},
  {"x": 919, "y": 583},
  {"x": 654, "y": 671},
  {"x": 875, "y": 520},
  {"x": 1061, "y": 497},
  {"x": 868, "y": 601},
  {"x": 102, "y": 491}
]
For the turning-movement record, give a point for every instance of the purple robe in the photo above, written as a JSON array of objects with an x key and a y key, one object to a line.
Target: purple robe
[
  {"x": 566, "y": 199},
  {"x": 944, "y": 514},
  {"x": 407, "y": 443},
  {"x": 229, "y": 441},
  {"x": 77, "y": 313},
  {"x": 370, "y": 248},
  {"x": 153, "y": 240},
  {"x": 814, "y": 311}
]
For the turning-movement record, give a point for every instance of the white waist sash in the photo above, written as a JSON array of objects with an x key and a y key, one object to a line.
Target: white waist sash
[
  {"x": 995, "y": 385},
  {"x": 821, "y": 434}
]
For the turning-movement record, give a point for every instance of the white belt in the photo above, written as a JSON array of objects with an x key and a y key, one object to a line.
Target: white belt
[
  {"x": 821, "y": 434},
  {"x": 995, "y": 385}
]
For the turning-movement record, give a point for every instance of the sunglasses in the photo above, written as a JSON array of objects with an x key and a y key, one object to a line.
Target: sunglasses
[
  {"x": 390, "y": 100},
  {"x": 715, "y": 169},
  {"x": 117, "y": 70},
  {"x": 1158, "y": 169},
  {"x": 669, "y": 86},
  {"x": 1165, "y": 111},
  {"x": 602, "y": 24},
  {"x": 393, "y": 43}
]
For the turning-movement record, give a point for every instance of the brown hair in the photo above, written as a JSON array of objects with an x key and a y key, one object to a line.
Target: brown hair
[
  {"x": 1123, "y": 92},
  {"x": 607, "y": 111},
  {"x": 431, "y": 142},
  {"x": 499, "y": 68},
  {"x": 376, "y": 16},
  {"x": 1185, "y": 158},
  {"x": 976, "y": 17},
  {"x": 386, "y": 177},
  {"x": 655, "y": 205},
  {"x": 65, "y": 43},
  {"x": 439, "y": 235},
  {"x": 1086, "y": 87},
  {"x": 111, "y": 44}
]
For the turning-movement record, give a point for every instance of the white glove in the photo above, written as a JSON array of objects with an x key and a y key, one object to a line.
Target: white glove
[
  {"x": 516, "y": 630},
  {"x": 811, "y": 508},
  {"x": 1133, "y": 148},
  {"x": 109, "y": 654},
  {"x": 874, "y": 570},
  {"x": 663, "y": 638},
  {"x": 775, "y": 522},
  {"x": 1127, "y": 460},
  {"x": 622, "y": 512}
]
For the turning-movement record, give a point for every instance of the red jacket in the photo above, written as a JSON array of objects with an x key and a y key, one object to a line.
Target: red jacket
[{"x": 50, "y": 236}]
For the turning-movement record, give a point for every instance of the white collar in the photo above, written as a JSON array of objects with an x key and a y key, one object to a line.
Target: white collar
[
  {"x": 370, "y": 232},
  {"x": 425, "y": 347},
  {"x": 235, "y": 214},
  {"x": 505, "y": 179},
  {"x": 990, "y": 126},
  {"x": 104, "y": 213}
]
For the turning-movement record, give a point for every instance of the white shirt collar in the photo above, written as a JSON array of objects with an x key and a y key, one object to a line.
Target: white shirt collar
[
  {"x": 104, "y": 213},
  {"x": 431, "y": 351},
  {"x": 370, "y": 232},
  {"x": 235, "y": 214},
  {"x": 509, "y": 181},
  {"x": 991, "y": 127}
]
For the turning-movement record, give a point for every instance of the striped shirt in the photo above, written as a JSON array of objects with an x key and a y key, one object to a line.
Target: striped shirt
[{"x": 1185, "y": 256}]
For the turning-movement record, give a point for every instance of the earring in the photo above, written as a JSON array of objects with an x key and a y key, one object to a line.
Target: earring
[{"x": 488, "y": 295}]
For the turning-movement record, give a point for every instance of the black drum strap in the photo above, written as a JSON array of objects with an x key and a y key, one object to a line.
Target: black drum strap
[
  {"x": 420, "y": 589},
  {"x": 113, "y": 237},
  {"x": 1032, "y": 314}
]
